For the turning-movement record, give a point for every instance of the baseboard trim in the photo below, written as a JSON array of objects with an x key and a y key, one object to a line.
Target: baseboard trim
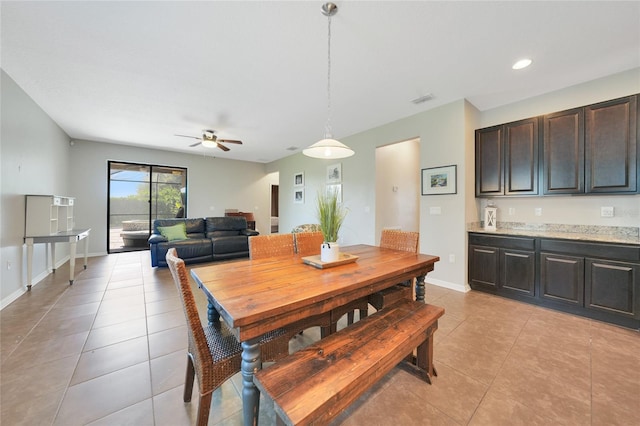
[{"x": 463, "y": 288}]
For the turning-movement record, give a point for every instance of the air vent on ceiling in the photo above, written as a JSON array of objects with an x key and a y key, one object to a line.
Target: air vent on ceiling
[
  {"x": 292, "y": 148},
  {"x": 422, "y": 99}
]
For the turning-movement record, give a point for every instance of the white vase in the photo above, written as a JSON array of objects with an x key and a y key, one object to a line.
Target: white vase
[{"x": 329, "y": 252}]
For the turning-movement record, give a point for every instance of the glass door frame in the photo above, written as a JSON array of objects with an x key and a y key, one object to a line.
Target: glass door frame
[{"x": 153, "y": 172}]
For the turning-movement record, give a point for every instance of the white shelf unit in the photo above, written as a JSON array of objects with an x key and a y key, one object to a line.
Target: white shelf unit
[{"x": 48, "y": 215}]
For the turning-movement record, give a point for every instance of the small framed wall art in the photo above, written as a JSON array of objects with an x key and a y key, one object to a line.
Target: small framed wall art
[
  {"x": 298, "y": 179},
  {"x": 439, "y": 180},
  {"x": 335, "y": 188},
  {"x": 334, "y": 173},
  {"x": 298, "y": 196}
]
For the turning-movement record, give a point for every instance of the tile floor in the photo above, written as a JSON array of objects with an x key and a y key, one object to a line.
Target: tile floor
[{"x": 110, "y": 350}]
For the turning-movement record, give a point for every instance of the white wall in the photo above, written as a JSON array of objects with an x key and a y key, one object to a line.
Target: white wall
[
  {"x": 578, "y": 210},
  {"x": 37, "y": 158},
  {"x": 213, "y": 185},
  {"x": 446, "y": 137},
  {"x": 398, "y": 187},
  {"x": 442, "y": 142},
  {"x": 34, "y": 155}
]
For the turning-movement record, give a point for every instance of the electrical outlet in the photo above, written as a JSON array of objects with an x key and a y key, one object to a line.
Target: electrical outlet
[
  {"x": 435, "y": 210},
  {"x": 538, "y": 211},
  {"x": 8, "y": 264},
  {"x": 512, "y": 211},
  {"x": 606, "y": 212},
  {"x": 452, "y": 258}
]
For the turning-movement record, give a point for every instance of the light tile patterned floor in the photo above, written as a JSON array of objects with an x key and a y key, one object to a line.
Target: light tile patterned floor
[{"x": 110, "y": 350}]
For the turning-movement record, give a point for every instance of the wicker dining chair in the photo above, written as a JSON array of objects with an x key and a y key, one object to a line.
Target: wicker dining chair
[
  {"x": 308, "y": 243},
  {"x": 397, "y": 240},
  {"x": 263, "y": 246},
  {"x": 213, "y": 354}
]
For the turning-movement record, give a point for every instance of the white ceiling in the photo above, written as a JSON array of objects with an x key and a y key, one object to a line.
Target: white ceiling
[{"x": 138, "y": 73}]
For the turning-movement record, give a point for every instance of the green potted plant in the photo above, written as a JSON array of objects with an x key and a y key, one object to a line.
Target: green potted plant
[{"x": 331, "y": 214}]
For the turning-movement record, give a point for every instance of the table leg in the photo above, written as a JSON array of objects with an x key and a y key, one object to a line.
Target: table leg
[
  {"x": 251, "y": 361},
  {"x": 72, "y": 259},
  {"x": 420, "y": 288},
  {"x": 86, "y": 250},
  {"x": 212, "y": 314},
  {"x": 29, "y": 242},
  {"x": 53, "y": 256}
]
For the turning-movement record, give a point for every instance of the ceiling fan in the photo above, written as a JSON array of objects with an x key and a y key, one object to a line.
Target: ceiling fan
[{"x": 210, "y": 140}]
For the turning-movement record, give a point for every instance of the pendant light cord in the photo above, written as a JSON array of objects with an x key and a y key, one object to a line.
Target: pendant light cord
[{"x": 327, "y": 127}]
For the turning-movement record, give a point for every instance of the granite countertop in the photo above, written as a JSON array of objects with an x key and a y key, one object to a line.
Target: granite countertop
[{"x": 604, "y": 234}]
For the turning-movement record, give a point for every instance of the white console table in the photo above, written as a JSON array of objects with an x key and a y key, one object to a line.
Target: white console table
[{"x": 72, "y": 237}]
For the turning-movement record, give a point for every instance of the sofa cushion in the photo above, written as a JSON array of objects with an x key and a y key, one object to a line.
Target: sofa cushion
[
  {"x": 225, "y": 226},
  {"x": 195, "y": 228},
  {"x": 175, "y": 232},
  {"x": 234, "y": 244}
]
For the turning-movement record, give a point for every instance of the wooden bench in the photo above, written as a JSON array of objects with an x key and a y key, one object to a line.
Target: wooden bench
[{"x": 315, "y": 384}]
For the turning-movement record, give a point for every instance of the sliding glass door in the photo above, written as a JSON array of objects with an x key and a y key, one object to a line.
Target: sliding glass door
[{"x": 138, "y": 194}]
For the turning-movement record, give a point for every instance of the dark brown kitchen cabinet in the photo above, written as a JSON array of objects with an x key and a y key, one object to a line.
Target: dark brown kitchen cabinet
[
  {"x": 594, "y": 279},
  {"x": 611, "y": 144},
  {"x": 613, "y": 287},
  {"x": 563, "y": 148},
  {"x": 591, "y": 149},
  {"x": 517, "y": 271},
  {"x": 507, "y": 159},
  {"x": 484, "y": 266},
  {"x": 562, "y": 278},
  {"x": 502, "y": 264}
]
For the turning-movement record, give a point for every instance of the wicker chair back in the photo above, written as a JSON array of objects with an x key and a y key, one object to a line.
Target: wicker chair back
[
  {"x": 308, "y": 243},
  {"x": 400, "y": 240},
  {"x": 262, "y": 246}
]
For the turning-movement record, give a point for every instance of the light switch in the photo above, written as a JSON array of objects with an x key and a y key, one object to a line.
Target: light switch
[{"x": 435, "y": 210}]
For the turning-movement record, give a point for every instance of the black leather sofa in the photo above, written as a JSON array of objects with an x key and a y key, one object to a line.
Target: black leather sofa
[{"x": 207, "y": 239}]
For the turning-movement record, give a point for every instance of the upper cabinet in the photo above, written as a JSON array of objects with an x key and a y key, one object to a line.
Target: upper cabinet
[
  {"x": 563, "y": 148},
  {"x": 507, "y": 159},
  {"x": 592, "y": 149},
  {"x": 611, "y": 145}
]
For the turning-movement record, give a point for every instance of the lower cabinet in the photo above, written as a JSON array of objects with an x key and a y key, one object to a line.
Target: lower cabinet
[
  {"x": 562, "y": 278},
  {"x": 504, "y": 265},
  {"x": 597, "y": 280},
  {"x": 612, "y": 287}
]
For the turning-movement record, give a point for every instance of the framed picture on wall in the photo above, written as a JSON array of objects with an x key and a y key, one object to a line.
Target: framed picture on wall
[
  {"x": 439, "y": 180},
  {"x": 298, "y": 179},
  {"x": 334, "y": 173},
  {"x": 298, "y": 196},
  {"x": 337, "y": 189}
]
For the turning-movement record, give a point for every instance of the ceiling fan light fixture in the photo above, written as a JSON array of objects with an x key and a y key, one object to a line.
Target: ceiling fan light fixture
[
  {"x": 329, "y": 149},
  {"x": 207, "y": 143}
]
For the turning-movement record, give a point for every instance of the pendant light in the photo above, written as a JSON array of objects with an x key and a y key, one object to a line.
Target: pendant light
[{"x": 328, "y": 147}]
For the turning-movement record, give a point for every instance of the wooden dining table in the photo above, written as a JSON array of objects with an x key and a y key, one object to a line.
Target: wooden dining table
[{"x": 255, "y": 297}]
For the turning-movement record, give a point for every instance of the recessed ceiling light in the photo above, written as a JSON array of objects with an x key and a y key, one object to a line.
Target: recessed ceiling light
[{"x": 522, "y": 63}]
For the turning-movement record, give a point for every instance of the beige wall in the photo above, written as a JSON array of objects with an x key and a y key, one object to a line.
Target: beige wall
[
  {"x": 34, "y": 159},
  {"x": 398, "y": 187},
  {"x": 446, "y": 137},
  {"x": 579, "y": 210},
  {"x": 213, "y": 185}
]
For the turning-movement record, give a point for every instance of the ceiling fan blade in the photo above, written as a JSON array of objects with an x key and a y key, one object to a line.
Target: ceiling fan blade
[
  {"x": 192, "y": 137},
  {"x": 195, "y": 144},
  {"x": 222, "y": 147},
  {"x": 230, "y": 141}
]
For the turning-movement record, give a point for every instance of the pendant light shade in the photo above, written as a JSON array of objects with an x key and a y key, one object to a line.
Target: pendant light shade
[{"x": 328, "y": 147}]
